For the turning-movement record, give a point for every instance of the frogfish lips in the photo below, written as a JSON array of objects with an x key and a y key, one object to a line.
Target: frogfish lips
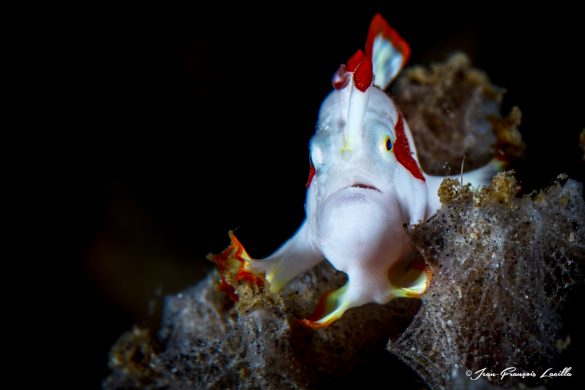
[{"x": 365, "y": 187}]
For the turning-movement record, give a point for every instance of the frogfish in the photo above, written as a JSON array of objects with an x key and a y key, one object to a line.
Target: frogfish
[{"x": 365, "y": 188}]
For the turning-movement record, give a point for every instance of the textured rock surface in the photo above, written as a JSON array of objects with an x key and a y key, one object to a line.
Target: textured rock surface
[{"x": 502, "y": 269}]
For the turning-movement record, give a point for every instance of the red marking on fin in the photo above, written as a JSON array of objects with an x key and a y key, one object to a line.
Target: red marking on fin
[
  {"x": 319, "y": 311},
  {"x": 233, "y": 264},
  {"x": 402, "y": 150},
  {"x": 314, "y": 325},
  {"x": 311, "y": 174},
  {"x": 249, "y": 277},
  {"x": 364, "y": 74},
  {"x": 320, "y": 308},
  {"x": 355, "y": 61},
  {"x": 228, "y": 289},
  {"x": 379, "y": 26}
]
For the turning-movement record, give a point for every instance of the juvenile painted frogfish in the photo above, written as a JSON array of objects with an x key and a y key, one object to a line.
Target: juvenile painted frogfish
[{"x": 365, "y": 186}]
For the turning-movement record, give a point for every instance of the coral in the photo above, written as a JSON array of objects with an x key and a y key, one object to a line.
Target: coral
[
  {"x": 132, "y": 359},
  {"x": 207, "y": 340},
  {"x": 457, "y": 97},
  {"x": 503, "y": 266}
]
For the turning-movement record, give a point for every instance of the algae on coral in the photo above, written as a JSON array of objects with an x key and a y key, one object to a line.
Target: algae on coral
[{"x": 502, "y": 268}]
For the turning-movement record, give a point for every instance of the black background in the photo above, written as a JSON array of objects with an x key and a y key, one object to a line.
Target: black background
[{"x": 175, "y": 125}]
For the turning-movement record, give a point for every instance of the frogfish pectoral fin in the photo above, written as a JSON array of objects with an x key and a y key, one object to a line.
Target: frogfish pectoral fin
[
  {"x": 235, "y": 267},
  {"x": 412, "y": 284},
  {"x": 330, "y": 308},
  {"x": 295, "y": 256}
]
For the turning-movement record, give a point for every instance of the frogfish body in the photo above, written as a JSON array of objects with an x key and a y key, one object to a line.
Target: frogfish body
[{"x": 365, "y": 185}]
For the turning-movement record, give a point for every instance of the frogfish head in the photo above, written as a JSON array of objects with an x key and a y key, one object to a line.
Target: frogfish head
[{"x": 353, "y": 153}]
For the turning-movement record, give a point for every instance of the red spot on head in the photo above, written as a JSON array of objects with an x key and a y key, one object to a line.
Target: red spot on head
[
  {"x": 361, "y": 66},
  {"x": 311, "y": 174},
  {"x": 402, "y": 150},
  {"x": 364, "y": 74},
  {"x": 379, "y": 26}
]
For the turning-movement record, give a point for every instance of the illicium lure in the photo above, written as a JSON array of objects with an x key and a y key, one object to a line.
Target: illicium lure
[{"x": 364, "y": 186}]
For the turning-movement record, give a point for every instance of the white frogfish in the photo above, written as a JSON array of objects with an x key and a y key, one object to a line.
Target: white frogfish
[{"x": 365, "y": 186}]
